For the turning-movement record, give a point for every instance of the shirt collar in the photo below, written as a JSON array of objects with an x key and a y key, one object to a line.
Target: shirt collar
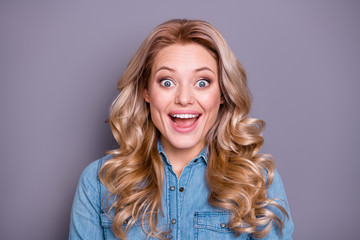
[{"x": 202, "y": 155}]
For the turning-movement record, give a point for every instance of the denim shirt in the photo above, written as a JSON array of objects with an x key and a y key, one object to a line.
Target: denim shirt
[{"x": 185, "y": 206}]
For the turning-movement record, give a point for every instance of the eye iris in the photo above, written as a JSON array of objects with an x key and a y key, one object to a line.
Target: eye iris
[
  {"x": 167, "y": 84},
  {"x": 202, "y": 84}
]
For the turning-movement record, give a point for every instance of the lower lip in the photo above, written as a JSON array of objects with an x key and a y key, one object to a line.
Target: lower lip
[{"x": 184, "y": 130}]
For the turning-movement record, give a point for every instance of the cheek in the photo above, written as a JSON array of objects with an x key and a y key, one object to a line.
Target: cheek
[
  {"x": 211, "y": 101},
  {"x": 155, "y": 116},
  {"x": 158, "y": 109},
  {"x": 212, "y": 107},
  {"x": 157, "y": 103},
  {"x": 160, "y": 99}
]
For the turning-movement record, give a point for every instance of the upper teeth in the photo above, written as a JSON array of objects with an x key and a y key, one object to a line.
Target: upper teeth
[{"x": 184, "y": 115}]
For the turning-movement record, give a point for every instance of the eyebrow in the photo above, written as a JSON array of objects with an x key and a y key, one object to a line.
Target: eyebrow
[
  {"x": 204, "y": 69},
  {"x": 196, "y": 70},
  {"x": 165, "y": 68}
]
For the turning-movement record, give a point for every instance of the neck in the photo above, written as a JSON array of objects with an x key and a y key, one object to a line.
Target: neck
[{"x": 179, "y": 158}]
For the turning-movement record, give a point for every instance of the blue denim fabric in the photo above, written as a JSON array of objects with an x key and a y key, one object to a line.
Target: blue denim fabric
[{"x": 184, "y": 203}]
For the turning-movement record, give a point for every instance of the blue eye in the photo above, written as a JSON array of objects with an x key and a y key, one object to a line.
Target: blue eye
[
  {"x": 166, "y": 83},
  {"x": 202, "y": 83}
]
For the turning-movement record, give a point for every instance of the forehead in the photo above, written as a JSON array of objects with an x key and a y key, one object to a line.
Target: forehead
[{"x": 184, "y": 56}]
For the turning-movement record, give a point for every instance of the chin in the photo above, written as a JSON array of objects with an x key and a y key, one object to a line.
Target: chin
[{"x": 189, "y": 142}]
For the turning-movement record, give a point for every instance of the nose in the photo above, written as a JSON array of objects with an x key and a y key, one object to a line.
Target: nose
[{"x": 184, "y": 96}]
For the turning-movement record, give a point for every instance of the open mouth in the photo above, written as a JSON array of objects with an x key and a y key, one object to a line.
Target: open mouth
[{"x": 184, "y": 120}]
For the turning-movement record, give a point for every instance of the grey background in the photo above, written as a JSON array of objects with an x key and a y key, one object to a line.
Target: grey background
[{"x": 60, "y": 61}]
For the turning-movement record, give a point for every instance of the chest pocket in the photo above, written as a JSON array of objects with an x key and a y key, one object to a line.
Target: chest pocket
[
  {"x": 213, "y": 225},
  {"x": 135, "y": 233}
]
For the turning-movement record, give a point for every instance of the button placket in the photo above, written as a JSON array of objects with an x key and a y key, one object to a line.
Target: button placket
[{"x": 172, "y": 204}]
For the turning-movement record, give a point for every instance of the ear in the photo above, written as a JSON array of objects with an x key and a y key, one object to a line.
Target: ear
[
  {"x": 146, "y": 95},
  {"x": 222, "y": 99}
]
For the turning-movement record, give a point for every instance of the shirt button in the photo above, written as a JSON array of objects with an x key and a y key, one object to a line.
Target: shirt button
[
  {"x": 172, "y": 188},
  {"x": 173, "y": 221},
  {"x": 223, "y": 225},
  {"x": 181, "y": 189}
]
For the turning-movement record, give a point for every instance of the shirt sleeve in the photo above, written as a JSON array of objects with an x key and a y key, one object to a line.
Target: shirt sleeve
[
  {"x": 85, "y": 220},
  {"x": 277, "y": 191}
]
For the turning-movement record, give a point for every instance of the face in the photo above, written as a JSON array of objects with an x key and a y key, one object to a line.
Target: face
[{"x": 184, "y": 96}]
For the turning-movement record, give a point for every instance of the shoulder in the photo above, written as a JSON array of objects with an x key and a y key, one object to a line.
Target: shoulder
[
  {"x": 277, "y": 187},
  {"x": 92, "y": 170},
  {"x": 276, "y": 191},
  {"x": 86, "y": 209},
  {"x": 89, "y": 178}
]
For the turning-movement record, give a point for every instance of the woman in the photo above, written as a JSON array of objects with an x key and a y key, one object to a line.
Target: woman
[{"x": 188, "y": 165}]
